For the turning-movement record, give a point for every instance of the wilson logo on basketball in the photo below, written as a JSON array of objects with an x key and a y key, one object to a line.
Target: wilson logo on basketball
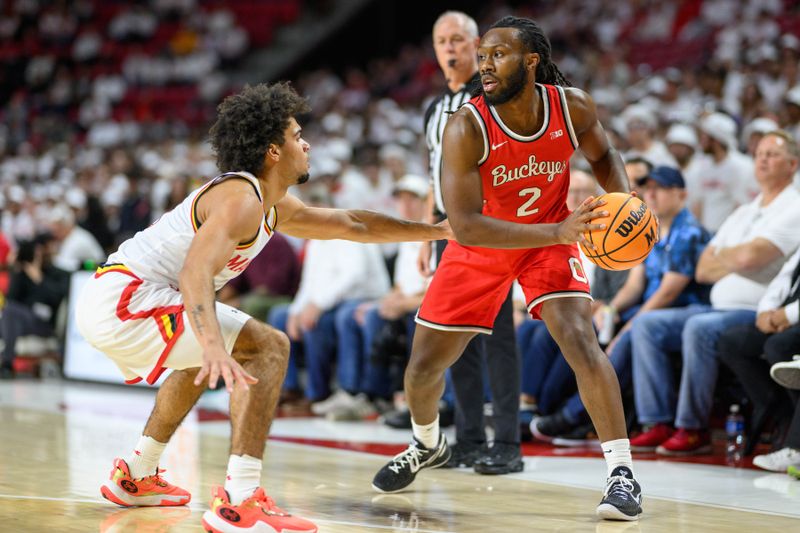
[
  {"x": 530, "y": 169},
  {"x": 631, "y": 221}
]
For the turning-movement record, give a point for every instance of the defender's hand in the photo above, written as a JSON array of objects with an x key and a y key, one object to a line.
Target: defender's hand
[
  {"x": 217, "y": 362},
  {"x": 572, "y": 228}
]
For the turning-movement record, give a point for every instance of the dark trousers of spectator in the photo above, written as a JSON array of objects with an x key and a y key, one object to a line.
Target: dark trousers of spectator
[
  {"x": 749, "y": 353},
  {"x": 17, "y": 321},
  {"x": 499, "y": 350}
]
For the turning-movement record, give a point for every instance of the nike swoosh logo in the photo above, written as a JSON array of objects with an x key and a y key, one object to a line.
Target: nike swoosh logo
[{"x": 496, "y": 146}]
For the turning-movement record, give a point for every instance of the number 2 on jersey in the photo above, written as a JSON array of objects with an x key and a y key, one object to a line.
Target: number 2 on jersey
[{"x": 525, "y": 209}]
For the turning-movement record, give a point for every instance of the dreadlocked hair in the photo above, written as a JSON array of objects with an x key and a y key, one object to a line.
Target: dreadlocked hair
[
  {"x": 248, "y": 122},
  {"x": 536, "y": 41}
]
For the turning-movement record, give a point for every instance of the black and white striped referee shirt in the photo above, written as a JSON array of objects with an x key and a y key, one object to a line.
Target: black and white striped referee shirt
[{"x": 436, "y": 117}]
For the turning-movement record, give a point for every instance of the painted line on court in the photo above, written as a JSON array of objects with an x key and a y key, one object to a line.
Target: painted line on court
[{"x": 375, "y": 526}]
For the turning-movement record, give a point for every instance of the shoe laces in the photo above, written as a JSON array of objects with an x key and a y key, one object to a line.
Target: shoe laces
[
  {"x": 267, "y": 504},
  {"x": 157, "y": 479},
  {"x": 411, "y": 457},
  {"x": 619, "y": 486}
]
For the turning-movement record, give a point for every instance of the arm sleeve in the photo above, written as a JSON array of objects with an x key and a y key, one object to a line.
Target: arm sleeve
[
  {"x": 782, "y": 231},
  {"x": 793, "y": 312}
]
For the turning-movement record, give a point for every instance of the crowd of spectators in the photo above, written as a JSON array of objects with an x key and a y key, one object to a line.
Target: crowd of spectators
[{"x": 104, "y": 111}]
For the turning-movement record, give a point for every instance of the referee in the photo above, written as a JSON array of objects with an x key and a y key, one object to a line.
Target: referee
[{"x": 455, "y": 41}]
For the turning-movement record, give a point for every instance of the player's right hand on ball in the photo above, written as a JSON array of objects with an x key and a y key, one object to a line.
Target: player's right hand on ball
[
  {"x": 216, "y": 363},
  {"x": 573, "y": 228}
]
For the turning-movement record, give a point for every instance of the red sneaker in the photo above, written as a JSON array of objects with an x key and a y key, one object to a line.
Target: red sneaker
[
  {"x": 686, "y": 442},
  {"x": 153, "y": 490},
  {"x": 258, "y": 513},
  {"x": 651, "y": 439}
]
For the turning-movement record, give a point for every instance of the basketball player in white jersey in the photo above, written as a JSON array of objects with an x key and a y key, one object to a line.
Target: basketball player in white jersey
[{"x": 136, "y": 307}]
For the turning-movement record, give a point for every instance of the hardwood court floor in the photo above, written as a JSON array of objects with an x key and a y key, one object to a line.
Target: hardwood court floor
[{"x": 58, "y": 441}]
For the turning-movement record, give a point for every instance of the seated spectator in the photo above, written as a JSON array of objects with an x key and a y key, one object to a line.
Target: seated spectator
[
  {"x": 750, "y": 349},
  {"x": 722, "y": 181},
  {"x": 682, "y": 143},
  {"x": 271, "y": 279},
  {"x": 746, "y": 253},
  {"x": 336, "y": 277},
  {"x": 364, "y": 374},
  {"x": 36, "y": 290},
  {"x": 665, "y": 279},
  {"x": 641, "y": 125},
  {"x": 74, "y": 244}
]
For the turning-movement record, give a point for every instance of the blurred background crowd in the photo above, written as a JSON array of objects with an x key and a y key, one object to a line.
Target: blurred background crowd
[{"x": 105, "y": 105}]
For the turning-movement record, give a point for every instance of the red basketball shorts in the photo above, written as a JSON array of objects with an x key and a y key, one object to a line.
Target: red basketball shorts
[{"x": 471, "y": 284}]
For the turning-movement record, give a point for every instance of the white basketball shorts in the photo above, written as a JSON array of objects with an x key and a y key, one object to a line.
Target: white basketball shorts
[{"x": 142, "y": 326}]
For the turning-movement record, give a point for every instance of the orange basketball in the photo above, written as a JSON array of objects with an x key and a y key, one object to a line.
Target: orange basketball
[{"x": 631, "y": 232}]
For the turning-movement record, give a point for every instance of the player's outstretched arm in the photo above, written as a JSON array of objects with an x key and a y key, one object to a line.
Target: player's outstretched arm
[
  {"x": 593, "y": 143},
  {"x": 297, "y": 219},
  {"x": 230, "y": 213},
  {"x": 463, "y": 147}
]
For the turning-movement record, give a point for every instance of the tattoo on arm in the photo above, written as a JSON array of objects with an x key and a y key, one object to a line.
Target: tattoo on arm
[{"x": 197, "y": 313}]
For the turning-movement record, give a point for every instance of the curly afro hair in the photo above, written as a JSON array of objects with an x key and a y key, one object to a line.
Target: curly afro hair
[{"x": 248, "y": 122}]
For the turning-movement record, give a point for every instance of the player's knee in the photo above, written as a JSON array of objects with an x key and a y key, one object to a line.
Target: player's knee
[
  {"x": 281, "y": 341},
  {"x": 425, "y": 368}
]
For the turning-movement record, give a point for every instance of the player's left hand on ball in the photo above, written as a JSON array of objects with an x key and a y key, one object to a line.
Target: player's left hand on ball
[{"x": 216, "y": 363}]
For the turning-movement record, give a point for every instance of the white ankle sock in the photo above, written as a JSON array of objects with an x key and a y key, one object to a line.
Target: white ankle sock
[
  {"x": 243, "y": 478},
  {"x": 144, "y": 461},
  {"x": 617, "y": 453},
  {"x": 428, "y": 434}
]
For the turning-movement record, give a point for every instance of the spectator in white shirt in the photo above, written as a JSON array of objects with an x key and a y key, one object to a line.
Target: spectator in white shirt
[
  {"x": 641, "y": 125},
  {"x": 682, "y": 143},
  {"x": 75, "y": 244},
  {"x": 724, "y": 180},
  {"x": 749, "y": 351}
]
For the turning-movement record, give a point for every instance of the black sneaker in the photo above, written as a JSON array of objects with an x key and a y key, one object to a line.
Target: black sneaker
[
  {"x": 546, "y": 428},
  {"x": 622, "y": 499},
  {"x": 401, "y": 471},
  {"x": 465, "y": 453},
  {"x": 401, "y": 419},
  {"x": 501, "y": 458},
  {"x": 581, "y": 436}
]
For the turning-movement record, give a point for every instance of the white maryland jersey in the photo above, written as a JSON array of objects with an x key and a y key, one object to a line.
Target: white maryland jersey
[{"x": 157, "y": 254}]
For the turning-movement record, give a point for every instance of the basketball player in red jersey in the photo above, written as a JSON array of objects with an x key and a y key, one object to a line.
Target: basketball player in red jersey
[{"x": 505, "y": 178}]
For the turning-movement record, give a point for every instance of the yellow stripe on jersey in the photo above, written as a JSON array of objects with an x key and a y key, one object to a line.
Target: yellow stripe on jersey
[
  {"x": 168, "y": 326},
  {"x": 116, "y": 267}
]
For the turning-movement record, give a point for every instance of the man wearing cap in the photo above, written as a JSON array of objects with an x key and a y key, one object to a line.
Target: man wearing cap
[
  {"x": 746, "y": 253},
  {"x": 682, "y": 143},
  {"x": 640, "y": 125},
  {"x": 361, "y": 377},
  {"x": 725, "y": 177},
  {"x": 665, "y": 279}
]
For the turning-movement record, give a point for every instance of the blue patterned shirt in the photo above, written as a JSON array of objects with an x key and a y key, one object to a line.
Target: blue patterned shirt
[{"x": 679, "y": 252}]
